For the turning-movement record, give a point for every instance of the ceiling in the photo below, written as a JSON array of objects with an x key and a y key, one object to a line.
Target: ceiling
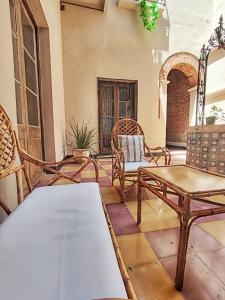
[{"x": 94, "y": 4}]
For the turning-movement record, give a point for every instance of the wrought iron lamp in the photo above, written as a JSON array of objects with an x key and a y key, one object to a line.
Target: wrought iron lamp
[{"x": 217, "y": 40}]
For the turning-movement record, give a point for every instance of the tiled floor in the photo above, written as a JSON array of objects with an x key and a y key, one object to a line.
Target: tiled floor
[{"x": 150, "y": 250}]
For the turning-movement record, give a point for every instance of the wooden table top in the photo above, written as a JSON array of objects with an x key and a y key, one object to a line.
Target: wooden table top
[{"x": 188, "y": 179}]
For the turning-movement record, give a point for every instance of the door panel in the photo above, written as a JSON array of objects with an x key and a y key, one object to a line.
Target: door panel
[
  {"x": 26, "y": 83},
  {"x": 117, "y": 100}
]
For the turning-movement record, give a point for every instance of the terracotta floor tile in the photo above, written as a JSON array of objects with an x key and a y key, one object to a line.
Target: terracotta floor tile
[
  {"x": 115, "y": 210},
  {"x": 70, "y": 168},
  {"x": 131, "y": 194},
  {"x": 109, "y": 173},
  {"x": 63, "y": 181},
  {"x": 122, "y": 221},
  {"x": 165, "y": 242},
  {"x": 110, "y": 195},
  {"x": 219, "y": 217},
  {"x": 147, "y": 195},
  {"x": 152, "y": 282},
  {"x": 132, "y": 206},
  {"x": 158, "y": 205},
  {"x": 152, "y": 222},
  {"x": 105, "y": 161},
  {"x": 135, "y": 249},
  {"x": 124, "y": 224},
  {"x": 160, "y": 218},
  {"x": 218, "y": 198},
  {"x": 105, "y": 182},
  {"x": 107, "y": 167},
  {"x": 91, "y": 173},
  {"x": 78, "y": 176},
  {"x": 216, "y": 229},
  {"x": 199, "y": 282},
  {"x": 215, "y": 262}
]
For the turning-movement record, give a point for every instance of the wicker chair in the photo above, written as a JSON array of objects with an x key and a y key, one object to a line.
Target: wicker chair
[
  {"x": 124, "y": 171},
  {"x": 10, "y": 147}
]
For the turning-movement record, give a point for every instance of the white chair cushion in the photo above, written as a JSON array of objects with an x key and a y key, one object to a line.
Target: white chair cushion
[
  {"x": 133, "y": 166},
  {"x": 57, "y": 245},
  {"x": 132, "y": 146}
]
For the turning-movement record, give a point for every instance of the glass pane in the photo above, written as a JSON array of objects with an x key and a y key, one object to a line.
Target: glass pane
[
  {"x": 30, "y": 70},
  {"x": 109, "y": 93},
  {"x": 28, "y": 34},
  {"x": 18, "y": 104},
  {"x": 15, "y": 58},
  {"x": 107, "y": 125},
  {"x": 123, "y": 110},
  {"x": 12, "y": 15},
  {"x": 32, "y": 107},
  {"x": 124, "y": 93}
]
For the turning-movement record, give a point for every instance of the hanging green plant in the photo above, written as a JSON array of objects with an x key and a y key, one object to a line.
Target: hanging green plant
[{"x": 150, "y": 14}]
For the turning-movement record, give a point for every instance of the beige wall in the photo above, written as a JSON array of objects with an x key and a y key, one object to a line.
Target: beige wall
[
  {"x": 7, "y": 90},
  {"x": 52, "y": 13},
  {"x": 117, "y": 46}
]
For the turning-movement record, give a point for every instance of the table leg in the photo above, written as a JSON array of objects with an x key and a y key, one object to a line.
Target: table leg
[
  {"x": 180, "y": 201},
  {"x": 139, "y": 204},
  {"x": 183, "y": 243}
]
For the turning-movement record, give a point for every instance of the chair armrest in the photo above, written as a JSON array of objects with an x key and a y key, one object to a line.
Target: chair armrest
[
  {"x": 118, "y": 157},
  {"x": 5, "y": 208},
  {"x": 161, "y": 152},
  {"x": 24, "y": 156}
]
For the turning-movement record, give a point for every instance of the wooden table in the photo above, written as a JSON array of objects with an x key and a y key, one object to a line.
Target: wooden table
[{"x": 187, "y": 183}]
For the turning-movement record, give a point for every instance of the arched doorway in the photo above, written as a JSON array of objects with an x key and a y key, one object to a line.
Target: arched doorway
[{"x": 180, "y": 73}]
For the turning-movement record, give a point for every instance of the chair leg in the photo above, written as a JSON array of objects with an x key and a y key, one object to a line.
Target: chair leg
[{"x": 122, "y": 190}]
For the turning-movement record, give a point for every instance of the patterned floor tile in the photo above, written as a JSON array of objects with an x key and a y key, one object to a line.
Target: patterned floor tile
[
  {"x": 91, "y": 173},
  {"x": 122, "y": 221},
  {"x": 115, "y": 210},
  {"x": 199, "y": 282},
  {"x": 165, "y": 242},
  {"x": 110, "y": 195},
  {"x": 109, "y": 173},
  {"x": 105, "y": 161},
  {"x": 216, "y": 229},
  {"x": 135, "y": 249},
  {"x": 158, "y": 205},
  {"x": 152, "y": 282},
  {"x": 152, "y": 222},
  {"x": 132, "y": 206},
  {"x": 215, "y": 262},
  {"x": 107, "y": 167},
  {"x": 105, "y": 181}
]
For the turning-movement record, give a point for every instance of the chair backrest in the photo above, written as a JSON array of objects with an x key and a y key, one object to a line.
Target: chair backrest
[
  {"x": 125, "y": 127},
  {"x": 7, "y": 142}
]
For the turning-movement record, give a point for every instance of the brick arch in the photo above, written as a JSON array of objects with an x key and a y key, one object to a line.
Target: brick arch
[{"x": 183, "y": 61}]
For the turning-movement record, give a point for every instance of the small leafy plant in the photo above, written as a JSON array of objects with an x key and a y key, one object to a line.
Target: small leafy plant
[
  {"x": 80, "y": 136},
  {"x": 218, "y": 113},
  {"x": 149, "y": 14}
]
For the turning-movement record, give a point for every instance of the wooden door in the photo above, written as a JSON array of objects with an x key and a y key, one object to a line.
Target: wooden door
[
  {"x": 117, "y": 100},
  {"x": 26, "y": 83}
]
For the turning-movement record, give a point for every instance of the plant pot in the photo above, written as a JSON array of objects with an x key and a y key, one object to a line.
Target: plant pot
[
  {"x": 210, "y": 120},
  {"x": 84, "y": 152}
]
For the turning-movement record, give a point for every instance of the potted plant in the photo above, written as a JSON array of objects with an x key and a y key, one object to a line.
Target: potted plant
[
  {"x": 215, "y": 114},
  {"x": 150, "y": 14},
  {"x": 80, "y": 138}
]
